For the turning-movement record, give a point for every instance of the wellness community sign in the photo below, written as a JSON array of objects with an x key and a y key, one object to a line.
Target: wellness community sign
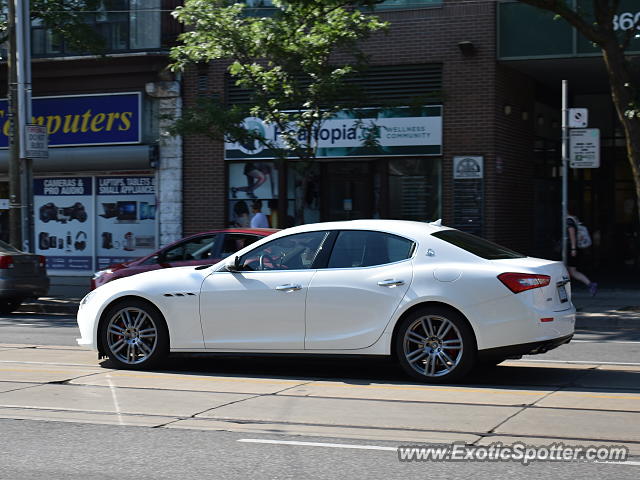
[
  {"x": 396, "y": 131},
  {"x": 83, "y": 119}
]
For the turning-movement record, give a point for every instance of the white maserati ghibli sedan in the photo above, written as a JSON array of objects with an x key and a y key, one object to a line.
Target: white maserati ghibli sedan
[{"x": 438, "y": 299}]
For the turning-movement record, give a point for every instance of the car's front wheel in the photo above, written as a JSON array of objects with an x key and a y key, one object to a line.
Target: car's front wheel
[
  {"x": 435, "y": 344},
  {"x": 134, "y": 334}
]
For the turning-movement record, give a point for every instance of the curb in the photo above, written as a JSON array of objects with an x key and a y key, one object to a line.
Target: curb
[
  {"x": 49, "y": 307},
  {"x": 604, "y": 321}
]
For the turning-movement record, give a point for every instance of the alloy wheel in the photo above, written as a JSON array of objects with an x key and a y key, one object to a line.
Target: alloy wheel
[
  {"x": 132, "y": 335},
  {"x": 433, "y": 345}
]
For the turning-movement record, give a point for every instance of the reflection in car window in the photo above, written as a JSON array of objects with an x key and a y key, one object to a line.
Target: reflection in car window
[
  {"x": 476, "y": 245},
  {"x": 236, "y": 241},
  {"x": 294, "y": 252},
  {"x": 355, "y": 248},
  {"x": 200, "y": 248}
]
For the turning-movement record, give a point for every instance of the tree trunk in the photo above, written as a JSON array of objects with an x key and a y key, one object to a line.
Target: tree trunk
[{"x": 624, "y": 96}]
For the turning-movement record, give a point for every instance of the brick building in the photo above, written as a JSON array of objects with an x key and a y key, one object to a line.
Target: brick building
[{"x": 500, "y": 96}]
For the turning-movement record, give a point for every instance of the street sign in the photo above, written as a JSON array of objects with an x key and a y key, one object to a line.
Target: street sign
[
  {"x": 36, "y": 141},
  {"x": 584, "y": 147},
  {"x": 578, "y": 117}
]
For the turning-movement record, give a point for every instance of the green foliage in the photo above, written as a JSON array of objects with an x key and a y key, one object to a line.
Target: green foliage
[{"x": 295, "y": 62}]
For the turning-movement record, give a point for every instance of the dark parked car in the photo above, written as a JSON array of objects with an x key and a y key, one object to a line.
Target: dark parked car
[
  {"x": 22, "y": 275},
  {"x": 204, "y": 248}
]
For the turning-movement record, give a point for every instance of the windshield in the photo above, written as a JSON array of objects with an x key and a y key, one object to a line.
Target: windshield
[{"x": 476, "y": 245}]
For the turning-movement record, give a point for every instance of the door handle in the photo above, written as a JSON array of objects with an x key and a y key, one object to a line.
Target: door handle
[
  {"x": 289, "y": 287},
  {"x": 391, "y": 283}
]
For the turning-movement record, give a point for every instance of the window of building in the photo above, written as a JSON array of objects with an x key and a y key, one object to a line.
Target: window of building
[
  {"x": 414, "y": 189},
  {"x": 123, "y": 24}
]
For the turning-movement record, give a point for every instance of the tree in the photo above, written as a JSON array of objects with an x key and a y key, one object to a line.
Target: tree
[
  {"x": 612, "y": 33},
  {"x": 295, "y": 60}
]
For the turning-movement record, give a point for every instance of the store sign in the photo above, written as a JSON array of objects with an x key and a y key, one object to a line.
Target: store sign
[
  {"x": 126, "y": 218},
  {"x": 64, "y": 222},
  {"x": 467, "y": 168},
  {"x": 83, "y": 119},
  {"x": 368, "y": 132}
]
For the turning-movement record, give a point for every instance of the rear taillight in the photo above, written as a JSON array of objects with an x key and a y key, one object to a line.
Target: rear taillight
[
  {"x": 6, "y": 261},
  {"x": 42, "y": 261},
  {"x": 519, "y": 282}
]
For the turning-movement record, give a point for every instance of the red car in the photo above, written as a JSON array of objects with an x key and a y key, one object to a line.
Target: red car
[{"x": 204, "y": 248}]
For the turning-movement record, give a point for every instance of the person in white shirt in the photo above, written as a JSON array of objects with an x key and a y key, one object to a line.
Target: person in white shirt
[{"x": 259, "y": 219}]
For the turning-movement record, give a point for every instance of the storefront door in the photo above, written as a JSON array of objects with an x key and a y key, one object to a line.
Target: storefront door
[{"x": 347, "y": 190}]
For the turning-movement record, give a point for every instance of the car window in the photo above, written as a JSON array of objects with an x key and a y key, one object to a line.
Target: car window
[
  {"x": 356, "y": 248},
  {"x": 476, "y": 245},
  {"x": 293, "y": 252},
  {"x": 236, "y": 241},
  {"x": 200, "y": 248}
]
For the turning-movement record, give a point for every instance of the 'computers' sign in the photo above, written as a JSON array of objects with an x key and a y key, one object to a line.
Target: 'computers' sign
[{"x": 83, "y": 119}]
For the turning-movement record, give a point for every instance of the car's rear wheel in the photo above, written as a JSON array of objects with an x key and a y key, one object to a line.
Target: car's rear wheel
[
  {"x": 435, "y": 344},
  {"x": 8, "y": 305},
  {"x": 134, "y": 334}
]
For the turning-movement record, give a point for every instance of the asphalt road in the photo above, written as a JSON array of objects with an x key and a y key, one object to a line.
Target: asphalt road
[
  {"x": 53, "y": 450},
  {"x": 33, "y": 449}
]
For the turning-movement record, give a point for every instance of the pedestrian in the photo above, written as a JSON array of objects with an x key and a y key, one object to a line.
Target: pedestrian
[
  {"x": 259, "y": 219},
  {"x": 241, "y": 217},
  {"x": 574, "y": 256}
]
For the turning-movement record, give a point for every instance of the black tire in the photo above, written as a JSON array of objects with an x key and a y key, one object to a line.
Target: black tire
[
  {"x": 435, "y": 344},
  {"x": 134, "y": 335},
  {"x": 8, "y": 305}
]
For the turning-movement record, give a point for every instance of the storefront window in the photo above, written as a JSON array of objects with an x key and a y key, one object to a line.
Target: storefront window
[
  {"x": 83, "y": 224},
  {"x": 414, "y": 189},
  {"x": 253, "y": 187}
]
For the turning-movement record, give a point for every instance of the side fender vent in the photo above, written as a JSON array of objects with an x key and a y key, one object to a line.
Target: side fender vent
[{"x": 180, "y": 294}]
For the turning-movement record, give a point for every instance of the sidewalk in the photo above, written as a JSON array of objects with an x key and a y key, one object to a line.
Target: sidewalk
[{"x": 616, "y": 307}]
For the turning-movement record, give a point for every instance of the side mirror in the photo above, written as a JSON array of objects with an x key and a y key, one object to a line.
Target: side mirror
[{"x": 235, "y": 266}]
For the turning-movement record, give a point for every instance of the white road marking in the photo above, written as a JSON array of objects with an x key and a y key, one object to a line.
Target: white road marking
[
  {"x": 319, "y": 444},
  {"x": 373, "y": 447},
  {"x": 606, "y": 341},
  {"x": 578, "y": 362},
  {"x": 631, "y": 464}
]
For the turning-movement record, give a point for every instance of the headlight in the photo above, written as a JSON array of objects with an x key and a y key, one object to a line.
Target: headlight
[{"x": 101, "y": 273}]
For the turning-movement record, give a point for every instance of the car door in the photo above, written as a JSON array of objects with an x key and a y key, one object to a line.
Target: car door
[
  {"x": 261, "y": 305},
  {"x": 350, "y": 302}
]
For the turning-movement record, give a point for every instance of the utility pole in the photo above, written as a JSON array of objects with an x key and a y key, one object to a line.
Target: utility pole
[
  {"x": 565, "y": 169},
  {"x": 15, "y": 198},
  {"x": 23, "y": 69},
  {"x": 19, "y": 106}
]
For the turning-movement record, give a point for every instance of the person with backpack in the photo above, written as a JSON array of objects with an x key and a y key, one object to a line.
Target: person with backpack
[{"x": 578, "y": 238}]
